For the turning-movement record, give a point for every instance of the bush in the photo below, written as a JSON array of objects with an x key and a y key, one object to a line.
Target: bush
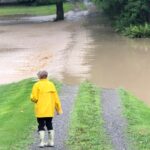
[
  {"x": 137, "y": 31},
  {"x": 128, "y": 12}
]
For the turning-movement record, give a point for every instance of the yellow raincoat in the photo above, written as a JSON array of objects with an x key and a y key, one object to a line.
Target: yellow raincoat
[{"x": 46, "y": 99}]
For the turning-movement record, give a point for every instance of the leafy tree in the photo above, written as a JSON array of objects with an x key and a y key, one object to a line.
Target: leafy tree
[
  {"x": 126, "y": 12},
  {"x": 130, "y": 11}
]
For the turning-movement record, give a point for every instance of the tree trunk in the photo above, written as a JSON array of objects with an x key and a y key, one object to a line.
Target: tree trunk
[{"x": 59, "y": 11}]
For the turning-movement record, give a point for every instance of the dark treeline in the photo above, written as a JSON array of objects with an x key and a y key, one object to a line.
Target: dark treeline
[
  {"x": 132, "y": 17},
  {"x": 36, "y": 2},
  {"x": 26, "y": 2}
]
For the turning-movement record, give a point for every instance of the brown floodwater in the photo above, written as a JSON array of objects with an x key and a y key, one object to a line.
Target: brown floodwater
[
  {"x": 119, "y": 61},
  {"x": 84, "y": 46}
]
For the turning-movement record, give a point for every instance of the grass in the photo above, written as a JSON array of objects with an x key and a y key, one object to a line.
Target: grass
[
  {"x": 17, "y": 121},
  {"x": 138, "y": 117},
  {"x": 80, "y": 6},
  {"x": 32, "y": 10},
  {"x": 86, "y": 127}
]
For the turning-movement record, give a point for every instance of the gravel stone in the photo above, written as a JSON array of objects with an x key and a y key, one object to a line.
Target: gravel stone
[{"x": 114, "y": 122}]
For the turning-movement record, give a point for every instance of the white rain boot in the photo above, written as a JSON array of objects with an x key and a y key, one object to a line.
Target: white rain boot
[
  {"x": 42, "y": 135},
  {"x": 50, "y": 138}
]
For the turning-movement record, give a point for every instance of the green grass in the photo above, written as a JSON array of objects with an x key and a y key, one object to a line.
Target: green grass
[
  {"x": 32, "y": 10},
  {"x": 80, "y": 6},
  {"x": 17, "y": 121},
  {"x": 86, "y": 127},
  {"x": 138, "y": 117}
]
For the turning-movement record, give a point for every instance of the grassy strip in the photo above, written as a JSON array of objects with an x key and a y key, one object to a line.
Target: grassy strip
[
  {"x": 86, "y": 128},
  {"x": 17, "y": 120},
  {"x": 32, "y": 10},
  {"x": 138, "y": 116},
  {"x": 79, "y": 6}
]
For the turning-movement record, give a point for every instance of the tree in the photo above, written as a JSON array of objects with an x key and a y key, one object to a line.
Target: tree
[
  {"x": 59, "y": 7},
  {"x": 127, "y": 12},
  {"x": 59, "y": 10}
]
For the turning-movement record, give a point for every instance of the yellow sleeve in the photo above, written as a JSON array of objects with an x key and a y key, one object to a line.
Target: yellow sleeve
[
  {"x": 57, "y": 101},
  {"x": 34, "y": 94},
  {"x": 58, "y": 104}
]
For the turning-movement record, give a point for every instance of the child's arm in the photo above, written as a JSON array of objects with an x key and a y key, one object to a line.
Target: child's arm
[
  {"x": 58, "y": 106},
  {"x": 34, "y": 94}
]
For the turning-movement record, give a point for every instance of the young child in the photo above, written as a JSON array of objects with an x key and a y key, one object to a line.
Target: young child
[{"x": 46, "y": 100}]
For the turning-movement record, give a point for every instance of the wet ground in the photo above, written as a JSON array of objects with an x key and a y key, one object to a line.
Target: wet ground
[{"x": 84, "y": 46}]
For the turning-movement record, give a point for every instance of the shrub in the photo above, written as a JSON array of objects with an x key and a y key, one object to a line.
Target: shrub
[
  {"x": 137, "y": 31},
  {"x": 126, "y": 13}
]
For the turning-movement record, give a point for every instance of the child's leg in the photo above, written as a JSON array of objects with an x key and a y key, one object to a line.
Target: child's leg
[
  {"x": 41, "y": 123},
  {"x": 49, "y": 124},
  {"x": 50, "y": 131}
]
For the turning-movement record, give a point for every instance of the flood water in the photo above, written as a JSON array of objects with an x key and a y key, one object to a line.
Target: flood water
[
  {"x": 119, "y": 61},
  {"x": 84, "y": 46}
]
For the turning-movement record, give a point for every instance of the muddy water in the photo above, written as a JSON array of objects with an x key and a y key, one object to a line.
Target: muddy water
[
  {"x": 84, "y": 46},
  {"x": 119, "y": 61},
  {"x": 27, "y": 47}
]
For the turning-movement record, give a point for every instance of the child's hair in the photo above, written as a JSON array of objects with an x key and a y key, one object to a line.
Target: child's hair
[{"x": 42, "y": 74}]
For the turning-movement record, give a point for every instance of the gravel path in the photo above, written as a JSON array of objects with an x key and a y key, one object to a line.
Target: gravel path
[
  {"x": 114, "y": 122},
  {"x": 60, "y": 123}
]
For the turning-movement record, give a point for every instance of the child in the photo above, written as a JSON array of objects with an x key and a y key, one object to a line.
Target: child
[{"x": 46, "y": 100}]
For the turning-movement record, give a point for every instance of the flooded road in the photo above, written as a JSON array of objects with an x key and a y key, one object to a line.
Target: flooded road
[
  {"x": 84, "y": 46},
  {"x": 27, "y": 47}
]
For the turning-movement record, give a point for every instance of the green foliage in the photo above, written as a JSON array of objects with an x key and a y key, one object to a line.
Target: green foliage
[
  {"x": 127, "y": 12},
  {"x": 86, "y": 128},
  {"x": 137, "y": 114},
  {"x": 137, "y": 31},
  {"x": 38, "y": 2},
  {"x": 111, "y": 7}
]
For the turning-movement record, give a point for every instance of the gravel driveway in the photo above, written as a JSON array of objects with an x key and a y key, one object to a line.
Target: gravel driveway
[
  {"x": 114, "y": 122},
  {"x": 60, "y": 123}
]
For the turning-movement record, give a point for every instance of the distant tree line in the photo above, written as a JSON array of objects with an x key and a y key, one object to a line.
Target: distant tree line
[
  {"x": 36, "y": 2},
  {"x": 128, "y": 14}
]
